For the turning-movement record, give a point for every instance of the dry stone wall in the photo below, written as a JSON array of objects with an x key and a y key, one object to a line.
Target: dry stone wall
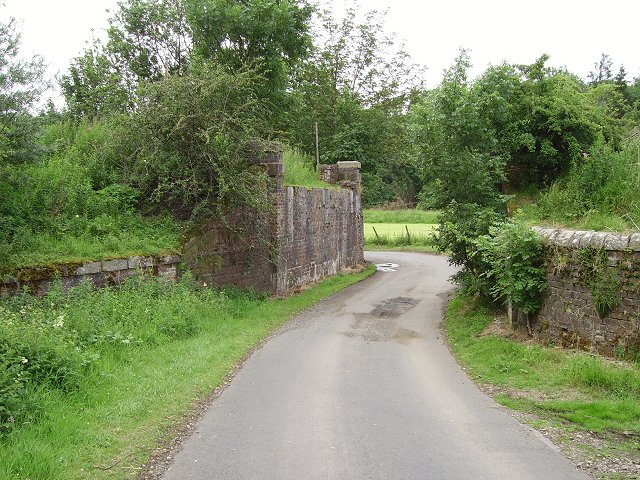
[{"x": 593, "y": 296}]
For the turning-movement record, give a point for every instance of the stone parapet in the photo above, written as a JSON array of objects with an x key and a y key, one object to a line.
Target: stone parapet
[{"x": 593, "y": 297}]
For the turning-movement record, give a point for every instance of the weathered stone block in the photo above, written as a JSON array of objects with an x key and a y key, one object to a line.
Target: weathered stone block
[
  {"x": 114, "y": 265},
  {"x": 616, "y": 242},
  {"x": 169, "y": 259},
  {"x": 141, "y": 262},
  {"x": 89, "y": 268}
]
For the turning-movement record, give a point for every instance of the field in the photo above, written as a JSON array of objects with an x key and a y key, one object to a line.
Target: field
[{"x": 399, "y": 229}]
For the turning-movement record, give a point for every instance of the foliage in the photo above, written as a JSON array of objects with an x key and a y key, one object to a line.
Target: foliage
[
  {"x": 95, "y": 86},
  {"x": 149, "y": 39},
  {"x": 299, "y": 170},
  {"x": 356, "y": 86},
  {"x": 453, "y": 145},
  {"x": 514, "y": 255},
  {"x": 20, "y": 87},
  {"x": 601, "y": 191},
  {"x": 187, "y": 149},
  {"x": 459, "y": 227},
  {"x": 270, "y": 36},
  {"x": 70, "y": 206}
]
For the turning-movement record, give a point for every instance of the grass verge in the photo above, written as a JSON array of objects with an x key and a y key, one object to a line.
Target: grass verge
[
  {"x": 103, "y": 375},
  {"x": 576, "y": 392}
]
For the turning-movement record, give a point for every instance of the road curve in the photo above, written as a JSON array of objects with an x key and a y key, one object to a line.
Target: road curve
[{"x": 362, "y": 386}]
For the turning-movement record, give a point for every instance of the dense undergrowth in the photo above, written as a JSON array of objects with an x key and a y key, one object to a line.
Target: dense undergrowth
[
  {"x": 94, "y": 376},
  {"x": 70, "y": 206},
  {"x": 602, "y": 192}
]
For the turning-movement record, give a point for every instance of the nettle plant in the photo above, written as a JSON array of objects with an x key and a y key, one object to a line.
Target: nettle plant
[{"x": 514, "y": 256}]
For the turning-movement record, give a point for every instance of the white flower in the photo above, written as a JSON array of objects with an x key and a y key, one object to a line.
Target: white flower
[
  {"x": 24, "y": 360},
  {"x": 59, "y": 322}
]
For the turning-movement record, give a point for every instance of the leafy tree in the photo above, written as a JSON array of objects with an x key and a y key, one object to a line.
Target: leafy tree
[
  {"x": 270, "y": 36},
  {"x": 95, "y": 85},
  {"x": 152, "y": 38},
  {"x": 454, "y": 143},
  {"x": 21, "y": 84},
  {"x": 356, "y": 85}
]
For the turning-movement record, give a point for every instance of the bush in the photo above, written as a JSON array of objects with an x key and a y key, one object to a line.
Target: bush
[
  {"x": 459, "y": 227},
  {"x": 188, "y": 147},
  {"x": 513, "y": 254}
]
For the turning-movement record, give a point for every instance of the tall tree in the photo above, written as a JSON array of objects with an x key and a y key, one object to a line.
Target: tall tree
[
  {"x": 602, "y": 70},
  {"x": 21, "y": 84},
  {"x": 269, "y": 35},
  {"x": 356, "y": 85}
]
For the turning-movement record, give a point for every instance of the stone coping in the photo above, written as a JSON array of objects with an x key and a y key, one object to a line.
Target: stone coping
[
  {"x": 590, "y": 238},
  {"x": 90, "y": 268}
]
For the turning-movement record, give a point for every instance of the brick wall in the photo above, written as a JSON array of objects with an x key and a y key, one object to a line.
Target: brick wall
[
  {"x": 320, "y": 232},
  {"x": 569, "y": 316}
]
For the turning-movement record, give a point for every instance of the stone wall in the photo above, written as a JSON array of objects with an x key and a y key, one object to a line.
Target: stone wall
[
  {"x": 310, "y": 234},
  {"x": 38, "y": 280},
  {"x": 593, "y": 296}
]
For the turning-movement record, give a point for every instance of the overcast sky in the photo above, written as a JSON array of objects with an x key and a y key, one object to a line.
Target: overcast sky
[{"x": 574, "y": 32}]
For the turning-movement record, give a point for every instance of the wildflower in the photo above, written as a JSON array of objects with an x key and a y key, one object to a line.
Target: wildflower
[
  {"x": 59, "y": 322},
  {"x": 204, "y": 284},
  {"x": 24, "y": 360}
]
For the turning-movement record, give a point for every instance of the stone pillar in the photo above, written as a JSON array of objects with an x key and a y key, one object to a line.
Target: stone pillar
[
  {"x": 348, "y": 175},
  {"x": 270, "y": 158}
]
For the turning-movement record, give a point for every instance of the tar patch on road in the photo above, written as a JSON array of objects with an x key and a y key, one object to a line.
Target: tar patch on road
[{"x": 381, "y": 325}]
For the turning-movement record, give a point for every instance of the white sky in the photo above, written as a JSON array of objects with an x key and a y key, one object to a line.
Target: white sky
[{"x": 573, "y": 32}]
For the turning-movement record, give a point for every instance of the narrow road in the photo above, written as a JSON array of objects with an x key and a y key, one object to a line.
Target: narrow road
[{"x": 362, "y": 386}]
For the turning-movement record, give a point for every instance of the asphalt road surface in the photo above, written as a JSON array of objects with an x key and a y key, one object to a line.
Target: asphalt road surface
[{"x": 362, "y": 386}]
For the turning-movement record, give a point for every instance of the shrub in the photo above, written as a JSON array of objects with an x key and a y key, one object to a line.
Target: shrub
[
  {"x": 459, "y": 227},
  {"x": 514, "y": 256}
]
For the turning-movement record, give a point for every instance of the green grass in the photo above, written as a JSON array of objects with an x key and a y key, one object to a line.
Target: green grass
[
  {"x": 407, "y": 216},
  {"x": 585, "y": 391},
  {"x": 299, "y": 171},
  {"x": 115, "y": 236},
  {"x": 112, "y": 372},
  {"x": 394, "y": 236}
]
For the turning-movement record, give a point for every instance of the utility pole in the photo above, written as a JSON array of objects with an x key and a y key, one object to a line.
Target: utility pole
[{"x": 317, "y": 149}]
